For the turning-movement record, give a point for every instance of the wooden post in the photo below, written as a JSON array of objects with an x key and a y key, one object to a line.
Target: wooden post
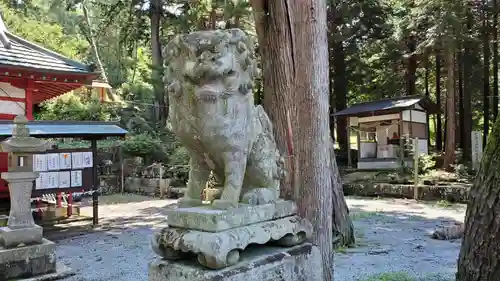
[
  {"x": 160, "y": 182},
  {"x": 401, "y": 142},
  {"x": 122, "y": 179},
  {"x": 28, "y": 99},
  {"x": 415, "y": 167},
  {"x": 348, "y": 128},
  {"x": 95, "y": 185}
]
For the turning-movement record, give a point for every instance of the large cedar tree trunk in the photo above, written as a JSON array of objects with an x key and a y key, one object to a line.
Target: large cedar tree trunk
[
  {"x": 486, "y": 74},
  {"x": 157, "y": 62},
  {"x": 338, "y": 66},
  {"x": 310, "y": 122},
  {"x": 495, "y": 59},
  {"x": 439, "y": 128},
  {"x": 293, "y": 44},
  {"x": 449, "y": 156},
  {"x": 276, "y": 47},
  {"x": 427, "y": 94},
  {"x": 467, "y": 110},
  {"x": 480, "y": 251}
]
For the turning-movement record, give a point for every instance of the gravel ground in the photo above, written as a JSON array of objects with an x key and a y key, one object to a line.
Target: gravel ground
[{"x": 393, "y": 242}]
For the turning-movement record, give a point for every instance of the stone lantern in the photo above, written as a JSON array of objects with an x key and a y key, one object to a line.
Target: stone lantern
[{"x": 21, "y": 228}]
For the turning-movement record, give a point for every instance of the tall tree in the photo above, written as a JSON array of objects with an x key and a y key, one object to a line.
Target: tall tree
[
  {"x": 480, "y": 250},
  {"x": 467, "y": 86},
  {"x": 293, "y": 41},
  {"x": 161, "y": 100},
  {"x": 439, "y": 128},
  {"x": 495, "y": 59},
  {"x": 486, "y": 70}
]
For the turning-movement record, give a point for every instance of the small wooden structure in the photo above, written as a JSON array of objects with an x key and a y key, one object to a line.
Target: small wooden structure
[
  {"x": 87, "y": 174},
  {"x": 384, "y": 129}
]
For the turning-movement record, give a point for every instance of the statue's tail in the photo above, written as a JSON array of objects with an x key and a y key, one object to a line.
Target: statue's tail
[{"x": 267, "y": 129}]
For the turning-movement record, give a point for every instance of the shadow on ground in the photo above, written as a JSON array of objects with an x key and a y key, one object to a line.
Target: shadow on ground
[{"x": 394, "y": 242}]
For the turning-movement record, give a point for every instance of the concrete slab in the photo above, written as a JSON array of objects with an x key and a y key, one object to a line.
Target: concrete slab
[
  {"x": 260, "y": 263},
  {"x": 212, "y": 220}
]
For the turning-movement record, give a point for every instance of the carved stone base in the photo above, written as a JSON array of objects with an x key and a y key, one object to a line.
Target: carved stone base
[
  {"x": 206, "y": 218},
  {"x": 217, "y": 250},
  {"x": 28, "y": 261},
  {"x": 299, "y": 263}
]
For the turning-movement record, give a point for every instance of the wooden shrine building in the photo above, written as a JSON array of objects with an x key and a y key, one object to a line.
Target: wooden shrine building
[
  {"x": 384, "y": 128},
  {"x": 31, "y": 74}
]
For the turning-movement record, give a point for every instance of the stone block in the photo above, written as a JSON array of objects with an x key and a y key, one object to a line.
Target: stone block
[
  {"x": 259, "y": 263},
  {"x": 222, "y": 249},
  {"x": 13, "y": 237},
  {"x": 206, "y": 218},
  {"x": 28, "y": 261}
]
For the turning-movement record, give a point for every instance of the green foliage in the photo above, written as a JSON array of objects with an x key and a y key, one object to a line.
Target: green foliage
[
  {"x": 393, "y": 276},
  {"x": 77, "y": 107},
  {"x": 426, "y": 163},
  {"x": 143, "y": 145}
]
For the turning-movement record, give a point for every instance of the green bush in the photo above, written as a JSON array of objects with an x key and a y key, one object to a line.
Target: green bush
[
  {"x": 144, "y": 145},
  {"x": 426, "y": 163}
]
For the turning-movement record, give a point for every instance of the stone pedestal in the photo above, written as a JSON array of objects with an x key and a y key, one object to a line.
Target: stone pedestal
[
  {"x": 28, "y": 261},
  {"x": 299, "y": 263},
  {"x": 21, "y": 228},
  {"x": 217, "y": 238}
]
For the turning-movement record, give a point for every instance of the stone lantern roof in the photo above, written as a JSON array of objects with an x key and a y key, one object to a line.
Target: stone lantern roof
[{"x": 21, "y": 141}]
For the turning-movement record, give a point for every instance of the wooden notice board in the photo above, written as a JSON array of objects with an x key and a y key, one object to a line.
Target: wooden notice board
[{"x": 63, "y": 170}]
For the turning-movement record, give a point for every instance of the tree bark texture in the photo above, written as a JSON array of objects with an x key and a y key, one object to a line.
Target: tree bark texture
[
  {"x": 439, "y": 127},
  {"x": 467, "y": 110},
  {"x": 486, "y": 75},
  {"x": 450, "y": 145},
  {"x": 157, "y": 61},
  {"x": 311, "y": 123},
  {"x": 461, "y": 114},
  {"x": 276, "y": 47},
  {"x": 495, "y": 60},
  {"x": 343, "y": 229},
  {"x": 293, "y": 36},
  {"x": 480, "y": 251},
  {"x": 338, "y": 75},
  {"x": 411, "y": 68},
  {"x": 340, "y": 84},
  {"x": 427, "y": 94}
]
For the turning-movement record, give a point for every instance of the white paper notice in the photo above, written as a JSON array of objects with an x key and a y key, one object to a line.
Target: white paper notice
[
  {"x": 77, "y": 160},
  {"x": 87, "y": 160},
  {"x": 40, "y": 162},
  {"x": 44, "y": 181},
  {"x": 65, "y": 161},
  {"x": 53, "y": 161},
  {"x": 53, "y": 179},
  {"x": 38, "y": 183},
  {"x": 76, "y": 178},
  {"x": 64, "y": 179}
]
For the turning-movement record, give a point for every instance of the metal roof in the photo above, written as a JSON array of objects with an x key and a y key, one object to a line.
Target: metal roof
[
  {"x": 17, "y": 52},
  {"x": 387, "y": 106},
  {"x": 24, "y": 54},
  {"x": 60, "y": 129}
]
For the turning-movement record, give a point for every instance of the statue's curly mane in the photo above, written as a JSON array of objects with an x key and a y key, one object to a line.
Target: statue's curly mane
[{"x": 200, "y": 55}]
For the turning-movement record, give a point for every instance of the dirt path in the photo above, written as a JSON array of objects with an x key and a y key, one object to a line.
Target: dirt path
[{"x": 392, "y": 234}]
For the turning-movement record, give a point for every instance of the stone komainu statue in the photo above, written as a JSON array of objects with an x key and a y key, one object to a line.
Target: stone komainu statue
[{"x": 209, "y": 78}]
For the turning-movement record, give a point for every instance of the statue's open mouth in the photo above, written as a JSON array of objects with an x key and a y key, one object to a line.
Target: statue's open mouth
[{"x": 206, "y": 95}]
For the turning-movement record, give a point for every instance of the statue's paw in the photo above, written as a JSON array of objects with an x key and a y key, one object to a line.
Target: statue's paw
[
  {"x": 224, "y": 204},
  {"x": 189, "y": 202},
  {"x": 259, "y": 196}
]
